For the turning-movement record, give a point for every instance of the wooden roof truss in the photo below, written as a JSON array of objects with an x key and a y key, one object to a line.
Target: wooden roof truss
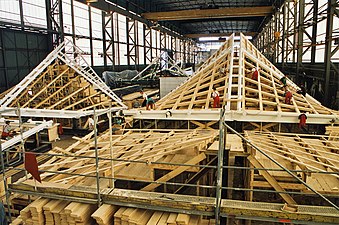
[
  {"x": 63, "y": 85},
  {"x": 229, "y": 70}
]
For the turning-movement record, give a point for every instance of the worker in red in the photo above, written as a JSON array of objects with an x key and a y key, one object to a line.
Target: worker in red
[
  {"x": 302, "y": 120},
  {"x": 216, "y": 98},
  {"x": 255, "y": 74},
  {"x": 288, "y": 96}
]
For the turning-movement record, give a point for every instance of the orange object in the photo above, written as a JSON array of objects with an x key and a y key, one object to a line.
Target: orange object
[
  {"x": 302, "y": 120},
  {"x": 216, "y": 102},
  {"x": 255, "y": 75},
  {"x": 288, "y": 97},
  {"x": 31, "y": 165},
  {"x": 60, "y": 129}
]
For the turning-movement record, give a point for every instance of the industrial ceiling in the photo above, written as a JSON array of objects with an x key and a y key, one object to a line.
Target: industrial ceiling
[{"x": 200, "y": 18}]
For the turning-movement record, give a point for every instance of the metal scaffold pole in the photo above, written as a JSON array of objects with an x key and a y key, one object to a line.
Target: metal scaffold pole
[
  {"x": 96, "y": 156},
  {"x": 220, "y": 167},
  {"x": 111, "y": 181}
]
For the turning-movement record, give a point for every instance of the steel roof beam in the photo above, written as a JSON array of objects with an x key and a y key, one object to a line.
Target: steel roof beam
[
  {"x": 219, "y": 34},
  {"x": 230, "y": 12}
]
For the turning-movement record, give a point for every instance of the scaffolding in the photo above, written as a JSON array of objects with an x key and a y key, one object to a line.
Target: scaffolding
[{"x": 116, "y": 161}]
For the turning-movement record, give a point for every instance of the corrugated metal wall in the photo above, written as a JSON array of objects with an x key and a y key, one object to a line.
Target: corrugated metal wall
[{"x": 20, "y": 52}]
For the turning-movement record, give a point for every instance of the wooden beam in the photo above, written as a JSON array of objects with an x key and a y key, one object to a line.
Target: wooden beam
[
  {"x": 175, "y": 172},
  {"x": 210, "y": 13},
  {"x": 273, "y": 182}
]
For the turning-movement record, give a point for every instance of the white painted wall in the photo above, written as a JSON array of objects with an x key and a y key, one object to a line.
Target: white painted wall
[{"x": 167, "y": 84}]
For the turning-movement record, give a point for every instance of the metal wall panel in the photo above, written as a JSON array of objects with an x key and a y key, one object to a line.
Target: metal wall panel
[{"x": 20, "y": 52}]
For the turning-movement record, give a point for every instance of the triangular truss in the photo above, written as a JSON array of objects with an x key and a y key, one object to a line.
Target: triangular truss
[
  {"x": 63, "y": 85},
  {"x": 229, "y": 70}
]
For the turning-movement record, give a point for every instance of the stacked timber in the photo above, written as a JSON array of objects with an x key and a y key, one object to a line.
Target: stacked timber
[
  {"x": 36, "y": 210},
  {"x": 60, "y": 212},
  {"x": 79, "y": 213},
  {"x": 105, "y": 214},
  {"x": 57, "y": 211},
  {"x": 132, "y": 216},
  {"x": 48, "y": 210}
]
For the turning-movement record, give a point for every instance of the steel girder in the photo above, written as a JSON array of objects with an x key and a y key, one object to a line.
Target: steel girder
[{"x": 330, "y": 50}]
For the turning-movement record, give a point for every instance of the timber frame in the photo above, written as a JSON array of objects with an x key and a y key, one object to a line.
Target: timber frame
[
  {"x": 63, "y": 85},
  {"x": 229, "y": 70},
  {"x": 136, "y": 154},
  {"x": 316, "y": 157}
]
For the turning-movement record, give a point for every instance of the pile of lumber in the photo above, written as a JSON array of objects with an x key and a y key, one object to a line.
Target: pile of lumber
[
  {"x": 59, "y": 212},
  {"x": 136, "y": 216},
  {"x": 50, "y": 212}
]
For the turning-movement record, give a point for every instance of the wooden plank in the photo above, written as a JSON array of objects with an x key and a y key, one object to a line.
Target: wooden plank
[
  {"x": 105, "y": 213},
  {"x": 272, "y": 181},
  {"x": 163, "y": 219},
  {"x": 175, "y": 172},
  {"x": 172, "y": 219},
  {"x": 155, "y": 218},
  {"x": 182, "y": 219}
]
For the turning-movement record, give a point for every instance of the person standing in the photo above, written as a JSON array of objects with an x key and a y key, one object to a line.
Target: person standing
[
  {"x": 255, "y": 74},
  {"x": 6, "y": 131},
  {"x": 283, "y": 80},
  {"x": 216, "y": 98},
  {"x": 90, "y": 123},
  {"x": 288, "y": 97},
  {"x": 148, "y": 101}
]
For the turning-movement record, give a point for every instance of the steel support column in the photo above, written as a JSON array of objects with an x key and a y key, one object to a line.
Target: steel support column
[
  {"x": 148, "y": 45},
  {"x": 284, "y": 36},
  {"x": 73, "y": 22},
  {"x": 90, "y": 34},
  {"x": 49, "y": 24},
  {"x": 314, "y": 30},
  {"x": 103, "y": 22},
  {"x": 328, "y": 48},
  {"x": 174, "y": 47},
  {"x": 61, "y": 22},
  {"x": 56, "y": 17},
  {"x": 300, "y": 39},
  {"x": 21, "y": 11},
  {"x": 163, "y": 39},
  {"x": 116, "y": 53},
  {"x": 131, "y": 34}
]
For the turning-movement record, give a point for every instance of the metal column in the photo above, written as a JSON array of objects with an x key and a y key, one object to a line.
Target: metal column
[
  {"x": 328, "y": 48},
  {"x": 300, "y": 39}
]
